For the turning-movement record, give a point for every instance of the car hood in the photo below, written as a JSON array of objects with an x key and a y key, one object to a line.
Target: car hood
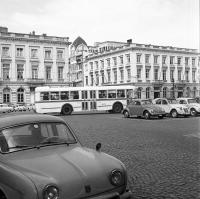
[
  {"x": 178, "y": 105},
  {"x": 71, "y": 168}
]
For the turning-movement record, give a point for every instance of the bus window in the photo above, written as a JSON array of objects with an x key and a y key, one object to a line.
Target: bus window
[
  {"x": 102, "y": 94},
  {"x": 111, "y": 93},
  {"x": 121, "y": 93},
  {"x": 54, "y": 95},
  {"x": 92, "y": 94},
  {"x": 84, "y": 95},
  {"x": 44, "y": 96},
  {"x": 129, "y": 93},
  {"x": 64, "y": 95},
  {"x": 74, "y": 95}
]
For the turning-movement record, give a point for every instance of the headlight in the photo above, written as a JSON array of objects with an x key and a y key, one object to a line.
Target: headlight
[
  {"x": 51, "y": 192},
  {"x": 151, "y": 110},
  {"x": 117, "y": 178}
]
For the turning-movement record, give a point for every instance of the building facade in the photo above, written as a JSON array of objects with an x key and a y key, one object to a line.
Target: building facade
[
  {"x": 156, "y": 71},
  {"x": 28, "y": 61}
]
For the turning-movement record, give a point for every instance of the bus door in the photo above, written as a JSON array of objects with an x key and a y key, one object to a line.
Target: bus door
[
  {"x": 93, "y": 102},
  {"x": 85, "y": 103}
]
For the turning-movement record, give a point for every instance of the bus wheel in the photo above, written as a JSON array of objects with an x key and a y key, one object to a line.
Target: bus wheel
[
  {"x": 67, "y": 109},
  {"x": 117, "y": 107}
]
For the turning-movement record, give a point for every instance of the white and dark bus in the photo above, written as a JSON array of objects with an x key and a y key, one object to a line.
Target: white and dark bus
[{"x": 66, "y": 100}]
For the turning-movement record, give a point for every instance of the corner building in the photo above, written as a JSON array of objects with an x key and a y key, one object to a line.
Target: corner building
[
  {"x": 156, "y": 71},
  {"x": 28, "y": 61}
]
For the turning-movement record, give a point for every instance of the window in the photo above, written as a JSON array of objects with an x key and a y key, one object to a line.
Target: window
[
  {"x": 20, "y": 70},
  {"x": 6, "y": 95},
  {"x": 74, "y": 95},
  {"x": 97, "y": 65},
  {"x": 102, "y": 78},
  {"x": 64, "y": 95},
  {"x": 91, "y": 65},
  {"x": 172, "y": 75},
  {"x": 47, "y": 54},
  {"x": 97, "y": 79},
  {"x": 108, "y": 62},
  {"x": 164, "y": 60},
  {"x": 121, "y": 59},
  {"x": 54, "y": 95},
  {"x": 92, "y": 79},
  {"x": 187, "y": 75},
  {"x": 128, "y": 58},
  {"x": 6, "y": 69},
  {"x": 20, "y": 52},
  {"x": 86, "y": 80},
  {"x": 193, "y": 76},
  {"x": 139, "y": 70},
  {"x": 128, "y": 74},
  {"x": 115, "y": 76},
  {"x": 48, "y": 72},
  {"x": 111, "y": 93},
  {"x": 109, "y": 78},
  {"x": 179, "y": 75},
  {"x": 122, "y": 75},
  {"x": 179, "y": 60},
  {"x": 5, "y": 52},
  {"x": 34, "y": 53},
  {"x": 147, "y": 93},
  {"x": 59, "y": 54},
  {"x": 138, "y": 58},
  {"x": 102, "y": 63},
  {"x": 139, "y": 92},
  {"x": 20, "y": 95},
  {"x": 186, "y": 61},
  {"x": 120, "y": 93},
  {"x": 165, "y": 92},
  {"x": 147, "y": 59},
  {"x": 147, "y": 73},
  {"x": 155, "y": 74},
  {"x": 115, "y": 61},
  {"x": 44, "y": 96},
  {"x": 102, "y": 94},
  {"x": 193, "y": 61},
  {"x": 155, "y": 59},
  {"x": 171, "y": 60},
  {"x": 34, "y": 72},
  {"x": 60, "y": 73},
  {"x": 164, "y": 75}
]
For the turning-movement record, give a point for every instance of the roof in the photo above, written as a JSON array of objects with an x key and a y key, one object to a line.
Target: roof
[
  {"x": 17, "y": 119},
  {"x": 78, "y": 41}
]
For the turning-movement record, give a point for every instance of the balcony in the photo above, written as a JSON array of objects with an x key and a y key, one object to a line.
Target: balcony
[
  {"x": 34, "y": 81},
  {"x": 157, "y": 82}
]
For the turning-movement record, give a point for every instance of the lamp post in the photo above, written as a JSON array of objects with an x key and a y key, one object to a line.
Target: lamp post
[{"x": 173, "y": 86}]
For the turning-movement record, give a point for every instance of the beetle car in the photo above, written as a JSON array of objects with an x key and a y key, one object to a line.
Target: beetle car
[
  {"x": 4, "y": 108},
  {"x": 192, "y": 104},
  {"x": 143, "y": 108},
  {"x": 172, "y": 107},
  {"x": 41, "y": 158}
]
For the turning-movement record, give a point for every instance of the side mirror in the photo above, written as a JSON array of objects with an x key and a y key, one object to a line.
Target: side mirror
[{"x": 98, "y": 147}]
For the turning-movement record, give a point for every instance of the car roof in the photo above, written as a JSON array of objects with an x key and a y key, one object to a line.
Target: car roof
[{"x": 12, "y": 120}]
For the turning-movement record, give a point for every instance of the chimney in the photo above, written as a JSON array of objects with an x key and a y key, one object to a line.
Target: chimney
[
  {"x": 3, "y": 29},
  {"x": 129, "y": 41}
]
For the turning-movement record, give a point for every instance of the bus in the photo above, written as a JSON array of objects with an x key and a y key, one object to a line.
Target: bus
[{"x": 65, "y": 100}]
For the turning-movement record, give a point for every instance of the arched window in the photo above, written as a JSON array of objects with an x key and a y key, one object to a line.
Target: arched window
[
  {"x": 147, "y": 93},
  {"x": 20, "y": 95},
  {"x": 139, "y": 93},
  {"x": 165, "y": 92},
  {"x": 6, "y": 95},
  {"x": 188, "y": 92}
]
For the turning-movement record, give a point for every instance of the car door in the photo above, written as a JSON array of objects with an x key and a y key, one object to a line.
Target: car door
[
  {"x": 166, "y": 106},
  {"x": 131, "y": 107},
  {"x": 138, "y": 108}
]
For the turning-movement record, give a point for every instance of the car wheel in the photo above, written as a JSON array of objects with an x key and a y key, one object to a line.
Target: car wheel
[
  {"x": 193, "y": 112},
  {"x": 147, "y": 115},
  {"x": 174, "y": 114},
  {"x": 160, "y": 117},
  {"x": 67, "y": 109},
  {"x": 117, "y": 108},
  {"x": 126, "y": 114}
]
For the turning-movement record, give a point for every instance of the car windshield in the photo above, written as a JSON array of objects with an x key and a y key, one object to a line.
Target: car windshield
[
  {"x": 146, "y": 102},
  {"x": 35, "y": 135},
  {"x": 173, "y": 101},
  {"x": 190, "y": 101}
]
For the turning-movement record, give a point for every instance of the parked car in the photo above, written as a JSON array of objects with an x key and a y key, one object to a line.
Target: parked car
[
  {"x": 172, "y": 107},
  {"x": 192, "y": 104},
  {"x": 143, "y": 108},
  {"x": 5, "y": 108},
  {"x": 41, "y": 158},
  {"x": 20, "y": 107}
]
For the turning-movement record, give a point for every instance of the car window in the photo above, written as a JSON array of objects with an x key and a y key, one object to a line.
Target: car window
[
  {"x": 32, "y": 135},
  {"x": 158, "y": 102},
  {"x": 182, "y": 102},
  {"x": 164, "y": 102},
  {"x": 137, "y": 103}
]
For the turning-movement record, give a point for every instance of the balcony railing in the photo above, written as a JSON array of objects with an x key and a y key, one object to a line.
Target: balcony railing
[{"x": 35, "y": 81}]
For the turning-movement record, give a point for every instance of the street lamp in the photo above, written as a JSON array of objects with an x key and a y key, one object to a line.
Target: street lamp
[{"x": 173, "y": 86}]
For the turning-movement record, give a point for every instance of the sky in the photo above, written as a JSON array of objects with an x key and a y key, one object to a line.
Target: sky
[{"x": 158, "y": 22}]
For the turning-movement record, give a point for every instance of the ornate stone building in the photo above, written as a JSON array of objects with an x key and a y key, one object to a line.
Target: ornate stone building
[
  {"x": 156, "y": 71},
  {"x": 28, "y": 61}
]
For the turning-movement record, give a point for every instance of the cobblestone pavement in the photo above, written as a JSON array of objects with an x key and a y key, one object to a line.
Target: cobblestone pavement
[{"x": 162, "y": 156}]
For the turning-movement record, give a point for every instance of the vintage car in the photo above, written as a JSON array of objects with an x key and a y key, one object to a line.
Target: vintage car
[
  {"x": 192, "y": 104},
  {"x": 4, "y": 108},
  {"x": 20, "y": 107},
  {"x": 41, "y": 158},
  {"x": 172, "y": 107},
  {"x": 143, "y": 108}
]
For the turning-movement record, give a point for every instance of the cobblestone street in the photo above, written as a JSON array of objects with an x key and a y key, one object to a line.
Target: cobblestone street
[{"x": 162, "y": 156}]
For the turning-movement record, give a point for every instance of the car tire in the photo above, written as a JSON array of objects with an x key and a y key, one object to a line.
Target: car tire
[
  {"x": 126, "y": 114},
  {"x": 160, "y": 117},
  {"x": 174, "y": 114},
  {"x": 193, "y": 112},
  {"x": 67, "y": 109},
  {"x": 117, "y": 108},
  {"x": 147, "y": 115}
]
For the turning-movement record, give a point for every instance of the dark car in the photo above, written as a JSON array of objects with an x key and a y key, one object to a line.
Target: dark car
[
  {"x": 41, "y": 158},
  {"x": 143, "y": 108}
]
